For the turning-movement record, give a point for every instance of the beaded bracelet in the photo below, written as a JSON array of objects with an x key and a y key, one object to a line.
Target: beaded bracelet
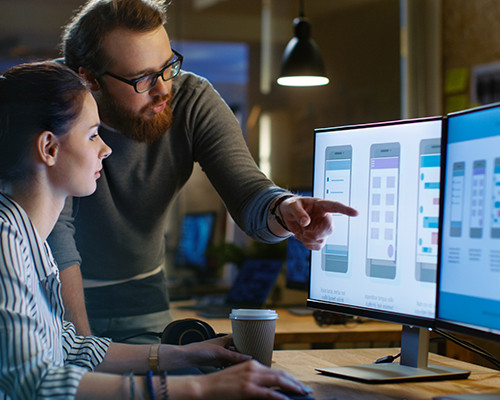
[
  {"x": 163, "y": 384},
  {"x": 275, "y": 208}
]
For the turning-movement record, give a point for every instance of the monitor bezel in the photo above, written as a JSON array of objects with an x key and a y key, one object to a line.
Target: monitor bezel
[
  {"x": 380, "y": 315},
  {"x": 441, "y": 323}
]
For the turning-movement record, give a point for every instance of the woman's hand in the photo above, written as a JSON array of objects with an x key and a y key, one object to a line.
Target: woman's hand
[
  {"x": 218, "y": 352},
  {"x": 248, "y": 380}
]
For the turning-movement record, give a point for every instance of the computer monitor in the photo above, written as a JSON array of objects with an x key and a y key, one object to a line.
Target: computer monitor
[
  {"x": 196, "y": 235},
  {"x": 469, "y": 257},
  {"x": 382, "y": 263}
]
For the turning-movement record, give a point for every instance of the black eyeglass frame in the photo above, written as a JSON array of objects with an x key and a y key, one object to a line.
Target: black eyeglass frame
[{"x": 155, "y": 75}]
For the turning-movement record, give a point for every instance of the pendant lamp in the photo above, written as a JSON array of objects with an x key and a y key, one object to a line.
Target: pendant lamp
[{"x": 302, "y": 64}]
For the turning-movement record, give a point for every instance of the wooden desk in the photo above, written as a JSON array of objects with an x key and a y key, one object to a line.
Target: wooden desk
[
  {"x": 302, "y": 364},
  {"x": 303, "y": 329}
]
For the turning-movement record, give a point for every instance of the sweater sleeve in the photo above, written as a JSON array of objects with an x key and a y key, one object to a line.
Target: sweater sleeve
[{"x": 220, "y": 148}]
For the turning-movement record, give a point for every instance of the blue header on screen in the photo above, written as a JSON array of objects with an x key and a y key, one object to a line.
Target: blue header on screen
[
  {"x": 428, "y": 161},
  {"x": 481, "y": 123},
  {"x": 338, "y": 164}
]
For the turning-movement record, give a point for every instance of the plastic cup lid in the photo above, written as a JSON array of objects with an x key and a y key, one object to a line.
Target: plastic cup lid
[{"x": 243, "y": 313}]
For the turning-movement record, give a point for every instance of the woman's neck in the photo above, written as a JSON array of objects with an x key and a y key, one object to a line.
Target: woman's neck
[{"x": 42, "y": 206}]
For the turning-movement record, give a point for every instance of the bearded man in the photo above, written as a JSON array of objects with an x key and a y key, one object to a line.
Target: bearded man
[{"x": 159, "y": 121}]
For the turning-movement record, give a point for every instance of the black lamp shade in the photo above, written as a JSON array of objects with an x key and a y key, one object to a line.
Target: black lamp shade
[{"x": 302, "y": 59}]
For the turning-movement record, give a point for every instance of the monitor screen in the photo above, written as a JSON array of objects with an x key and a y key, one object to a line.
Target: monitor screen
[
  {"x": 469, "y": 267},
  {"x": 195, "y": 236},
  {"x": 382, "y": 263}
]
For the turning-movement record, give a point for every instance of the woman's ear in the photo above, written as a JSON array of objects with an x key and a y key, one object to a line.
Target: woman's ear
[
  {"x": 47, "y": 148},
  {"x": 89, "y": 78}
]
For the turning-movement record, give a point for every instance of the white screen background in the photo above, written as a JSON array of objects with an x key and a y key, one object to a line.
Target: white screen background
[{"x": 404, "y": 294}]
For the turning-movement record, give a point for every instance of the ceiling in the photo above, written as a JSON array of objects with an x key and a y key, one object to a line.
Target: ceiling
[
  {"x": 311, "y": 7},
  {"x": 38, "y": 31}
]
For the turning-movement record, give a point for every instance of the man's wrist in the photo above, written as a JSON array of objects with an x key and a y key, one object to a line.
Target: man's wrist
[{"x": 275, "y": 215}]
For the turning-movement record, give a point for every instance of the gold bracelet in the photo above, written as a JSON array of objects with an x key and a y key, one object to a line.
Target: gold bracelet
[{"x": 154, "y": 358}]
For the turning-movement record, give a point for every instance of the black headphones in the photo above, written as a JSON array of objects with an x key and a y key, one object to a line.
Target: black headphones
[{"x": 185, "y": 331}]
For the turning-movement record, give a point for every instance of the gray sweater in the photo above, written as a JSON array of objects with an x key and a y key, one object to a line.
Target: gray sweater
[{"x": 118, "y": 232}]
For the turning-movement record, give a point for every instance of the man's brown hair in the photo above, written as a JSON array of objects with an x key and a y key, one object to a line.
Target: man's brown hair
[{"x": 82, "y": 37}]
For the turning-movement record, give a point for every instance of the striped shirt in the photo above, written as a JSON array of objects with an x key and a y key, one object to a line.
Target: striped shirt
[{"x": 40, "y": 354}]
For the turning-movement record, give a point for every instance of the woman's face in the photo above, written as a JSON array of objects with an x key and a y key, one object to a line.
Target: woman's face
[{"x": 80, "y": 154}]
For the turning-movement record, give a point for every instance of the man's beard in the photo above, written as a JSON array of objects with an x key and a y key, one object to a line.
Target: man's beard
[{"x": 133, "y": 126}]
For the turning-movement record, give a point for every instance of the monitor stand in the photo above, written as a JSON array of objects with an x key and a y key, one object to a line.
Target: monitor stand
[{"x": 413, "y": 365}]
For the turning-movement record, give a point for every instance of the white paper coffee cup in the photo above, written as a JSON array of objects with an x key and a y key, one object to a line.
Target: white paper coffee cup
[{"x": 253, "y": 332}]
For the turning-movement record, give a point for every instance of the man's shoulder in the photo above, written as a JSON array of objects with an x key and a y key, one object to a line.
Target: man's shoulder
[
  {"x": 192, "y": 90},
  {"x": 189, "y": 81}
]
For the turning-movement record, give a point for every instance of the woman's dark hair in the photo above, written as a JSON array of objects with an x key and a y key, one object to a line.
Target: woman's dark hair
[
  {"x": 35, "y": 97},
  {"x": 83, "y": 36}
]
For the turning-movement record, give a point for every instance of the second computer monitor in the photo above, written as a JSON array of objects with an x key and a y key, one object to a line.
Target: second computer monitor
[{"x": 469, "y": 284}]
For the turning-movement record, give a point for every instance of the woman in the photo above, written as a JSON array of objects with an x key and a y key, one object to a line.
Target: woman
[{"x": 50, "y": 149}]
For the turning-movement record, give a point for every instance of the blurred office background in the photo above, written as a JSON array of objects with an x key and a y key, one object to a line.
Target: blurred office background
[{"x": 386, "y": 60}]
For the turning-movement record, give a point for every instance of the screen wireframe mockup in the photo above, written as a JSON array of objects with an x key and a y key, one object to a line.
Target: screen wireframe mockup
[
  {"x": 386, "y": 257},
  {"x": 469, "y": 277},
  {"x": 382, "y": 262}
]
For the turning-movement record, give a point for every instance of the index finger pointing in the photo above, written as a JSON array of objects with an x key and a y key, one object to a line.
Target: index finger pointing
[{"x": 336, "y": 207}]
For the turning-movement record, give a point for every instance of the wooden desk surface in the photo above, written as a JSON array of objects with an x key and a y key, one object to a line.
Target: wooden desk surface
[
  {"x": 303, "y": 329},
  {"x": 302, "y": 364}
]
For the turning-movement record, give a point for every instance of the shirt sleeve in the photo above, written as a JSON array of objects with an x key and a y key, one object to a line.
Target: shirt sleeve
[
  {"x": 30, "y": 344},
  {"x": 84, "y": 351}
]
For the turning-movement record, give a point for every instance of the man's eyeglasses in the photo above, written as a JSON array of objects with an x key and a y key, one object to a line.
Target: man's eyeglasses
[{"x": 146, "y": 82}]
